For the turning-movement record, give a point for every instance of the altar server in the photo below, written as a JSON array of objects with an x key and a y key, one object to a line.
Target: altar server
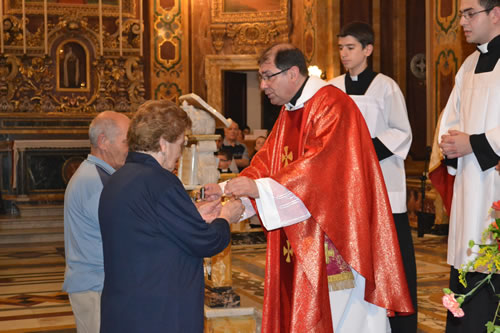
[{"x": 383, "y": 106}]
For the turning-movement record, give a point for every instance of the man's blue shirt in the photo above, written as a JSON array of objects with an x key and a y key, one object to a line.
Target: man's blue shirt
[{"x": 82, "y": 234}]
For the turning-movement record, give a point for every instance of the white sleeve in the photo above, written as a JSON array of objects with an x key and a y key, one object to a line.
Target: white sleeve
[
  {"x": 397, "y": 136},
  {"x": 278, "y": 207},
  {"x": 450, "y": 118}
]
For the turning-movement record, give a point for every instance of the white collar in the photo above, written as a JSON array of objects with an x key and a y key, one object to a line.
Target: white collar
[
  {"x": 483, "y": 48},
  {"x": 310, "y": 89}
]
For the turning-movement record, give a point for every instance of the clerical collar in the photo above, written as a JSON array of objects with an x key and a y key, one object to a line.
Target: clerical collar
[
  {"x": 489, "y": 55},
  {"x": 294, "y": 99},
  {"x": 358, "y": 85}
]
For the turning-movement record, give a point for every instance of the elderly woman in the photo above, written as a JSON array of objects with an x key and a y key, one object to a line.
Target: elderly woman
[{"x": 154, "y": 237}]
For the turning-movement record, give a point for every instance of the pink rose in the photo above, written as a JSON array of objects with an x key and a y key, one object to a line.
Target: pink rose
[{"x": 451, "y": 304}]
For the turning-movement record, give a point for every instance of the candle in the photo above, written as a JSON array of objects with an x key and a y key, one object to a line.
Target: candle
[
  {"x": 119, "y": 26},
  {"x": 100, "y": 28},
  {"x": 1, "y": 27},
  {"x": 141, "y": 27},
  {"x": 45, "y": 27},
  {"x": 24, "y": 28}
]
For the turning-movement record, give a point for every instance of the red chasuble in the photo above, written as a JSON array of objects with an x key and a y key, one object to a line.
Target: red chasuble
[{"x": 323, "y": 153}]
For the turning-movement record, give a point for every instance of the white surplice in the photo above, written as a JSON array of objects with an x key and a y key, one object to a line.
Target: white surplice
[
  {"x": 384, "y": 109},
  {"x": 474, "y": 108}
]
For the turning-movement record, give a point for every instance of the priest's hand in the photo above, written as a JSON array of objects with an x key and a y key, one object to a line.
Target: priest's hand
[
  {"x": 455, "y": 144},
  {"x": 232, "y": 211},
  {"x": 209, "y": 210},
  {"x": 242, "y": 187},
  {"x": 212, "y": 192}
]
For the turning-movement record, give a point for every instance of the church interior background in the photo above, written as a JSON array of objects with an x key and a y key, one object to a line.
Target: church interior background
[{"x": 63, "y": 61}]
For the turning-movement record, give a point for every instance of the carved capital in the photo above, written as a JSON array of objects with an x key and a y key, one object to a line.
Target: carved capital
[{"x": 218, "y": 32}]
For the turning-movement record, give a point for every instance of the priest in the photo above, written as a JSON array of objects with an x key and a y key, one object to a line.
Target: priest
[{"x": 319, "y": 191}]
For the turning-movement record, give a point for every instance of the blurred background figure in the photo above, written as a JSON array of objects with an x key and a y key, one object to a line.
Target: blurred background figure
[
  {"x": 259, "y": 142},
  {"x": 235, "y": 146},
  {"x": 225, "y": 158}
]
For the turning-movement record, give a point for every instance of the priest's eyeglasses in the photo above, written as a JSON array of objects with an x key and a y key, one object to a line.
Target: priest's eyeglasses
[
  {"x": 267, "y": 77},
  {"x": 469, "y": 15}
]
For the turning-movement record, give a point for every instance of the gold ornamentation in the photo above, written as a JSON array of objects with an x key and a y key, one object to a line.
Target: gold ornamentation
[
  {"x": 250, "y": 31},
  {"x": 251, "y": 38},
  {"x": 129, "y": 8},
  {"x": 220, "y": 15},
  {"x": 287, "y": 156},
  {"x": 218, "y": 32},
  {"x": 288, "y": 251}
]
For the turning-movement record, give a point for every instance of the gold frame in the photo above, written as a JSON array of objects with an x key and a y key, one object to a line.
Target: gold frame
[
  {"x": 129, "y": 8},
  {"x": 220, "y": 16},
  {"x": 87, "y": 67}
]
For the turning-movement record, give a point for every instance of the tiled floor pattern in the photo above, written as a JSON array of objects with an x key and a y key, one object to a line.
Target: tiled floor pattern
[{"x": 31, "y": 278}]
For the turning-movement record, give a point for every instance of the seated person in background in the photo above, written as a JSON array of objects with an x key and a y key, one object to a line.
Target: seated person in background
[
  {"x": 154, "y": 237},
  {"x": 238, "y": 149},
  {"x": 225, "y": 158},
  {"x": 218, "y": 142},
  {"x": 246, "y": 130},
  {"x": 259, "y": 142}
]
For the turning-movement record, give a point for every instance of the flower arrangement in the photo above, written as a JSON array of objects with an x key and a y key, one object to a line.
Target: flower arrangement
[{"x": 488, "y": 262}]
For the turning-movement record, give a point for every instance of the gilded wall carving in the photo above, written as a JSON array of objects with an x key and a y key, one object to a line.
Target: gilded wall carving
[
  {"x": 247, "y": 26},
  {"x": 170, "y": 50},
  {"x": 445, "y": 52},
  {"x": 66, "y": 65}
]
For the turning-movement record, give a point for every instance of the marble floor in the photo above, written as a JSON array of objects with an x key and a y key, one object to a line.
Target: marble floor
[{"x": 31, "y": 277}]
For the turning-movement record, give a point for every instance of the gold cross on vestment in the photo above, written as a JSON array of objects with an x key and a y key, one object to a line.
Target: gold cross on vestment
[
  {"x": 287, "y": 251},
  {"x": 287, "y": 156}
]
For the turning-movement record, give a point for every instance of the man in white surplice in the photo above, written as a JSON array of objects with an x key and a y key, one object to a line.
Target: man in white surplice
[
  {"x": 382, "y": 104},
  {"x": 470, "y": 139}
]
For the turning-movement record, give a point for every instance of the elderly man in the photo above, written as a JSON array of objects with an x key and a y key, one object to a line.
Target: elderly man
[
  {"x": 470, "y": 140},
  {"x": 84, "y": 275},
  {"x": 238, "y": 149},
  {"x": 319, "y": 192}
]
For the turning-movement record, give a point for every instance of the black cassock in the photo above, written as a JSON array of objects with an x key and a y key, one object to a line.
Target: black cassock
[{"x": 154, "y": 241}]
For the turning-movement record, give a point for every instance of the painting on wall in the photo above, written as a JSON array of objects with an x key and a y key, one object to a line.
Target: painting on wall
[
  {"x": 234, "y": 6},
  {"x": 232, "y": 11}
]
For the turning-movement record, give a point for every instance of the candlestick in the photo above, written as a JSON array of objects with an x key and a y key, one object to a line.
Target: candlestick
[
  {"x": 24, "y": 28},
  {"x": 120, "y": 27},
  {"x": 100, "y": 29},
  {"x": 45, "y": 24},
  {"x": 141, "y": 29}
]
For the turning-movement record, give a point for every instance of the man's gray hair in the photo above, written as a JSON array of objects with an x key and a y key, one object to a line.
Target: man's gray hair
[{"x": 102, "y": 125}]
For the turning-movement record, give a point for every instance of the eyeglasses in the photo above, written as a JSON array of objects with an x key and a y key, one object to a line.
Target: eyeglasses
[
  {"x": 267, "y": 77},
  {"x": 469, "y": 15}
]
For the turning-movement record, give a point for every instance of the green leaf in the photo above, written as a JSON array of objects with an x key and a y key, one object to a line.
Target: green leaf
[{"x": 447, "y": 291}]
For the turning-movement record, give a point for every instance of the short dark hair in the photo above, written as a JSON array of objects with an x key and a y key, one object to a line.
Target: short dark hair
[
  {"x": 489, "y": 4},
  {"x": 285, "y": 56},
  {"x": 361, "y": 31},
  {"x": 226, "y": 153}
]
